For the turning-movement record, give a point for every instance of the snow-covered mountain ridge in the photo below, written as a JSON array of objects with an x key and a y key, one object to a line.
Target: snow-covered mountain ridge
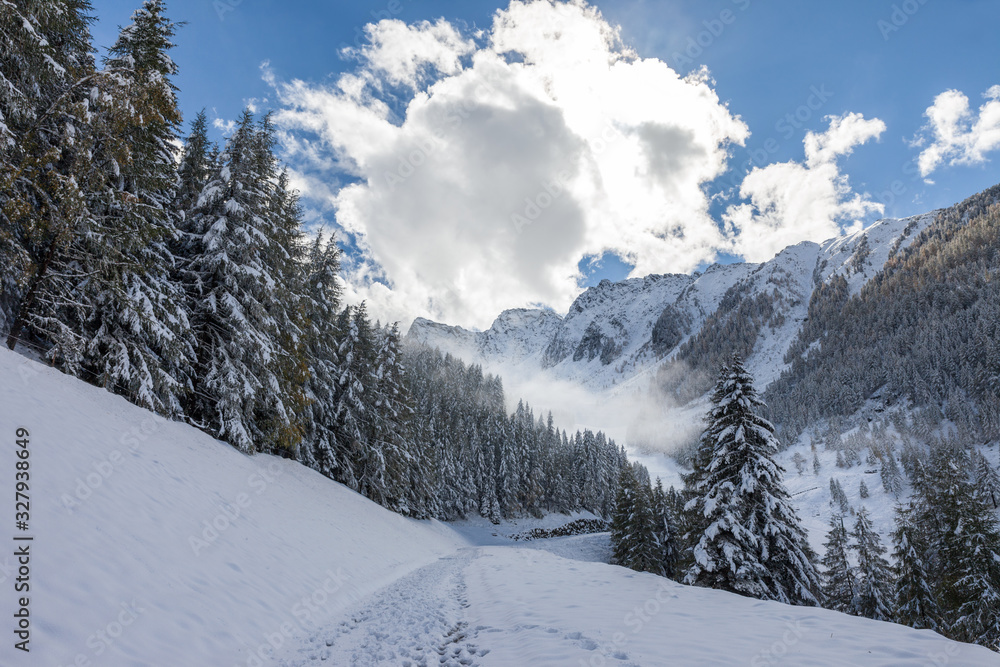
[{"x": 616, "y": 332}]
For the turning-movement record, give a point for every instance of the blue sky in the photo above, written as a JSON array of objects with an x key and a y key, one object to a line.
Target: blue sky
[{"x": 881, "y": 59}]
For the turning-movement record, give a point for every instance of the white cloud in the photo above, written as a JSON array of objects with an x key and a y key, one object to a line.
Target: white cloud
[
  {"x": 957, "y": 135},
  {"x": 226, "y": 127},
  {"x": 402, "y": 54},
  {"x": 475, "y": 173},
  {"x": 790, "y": 202},
  {"x": 510, "y": 160}
]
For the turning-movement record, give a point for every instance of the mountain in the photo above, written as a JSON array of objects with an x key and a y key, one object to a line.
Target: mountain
[{"x": 617, "y": 332}]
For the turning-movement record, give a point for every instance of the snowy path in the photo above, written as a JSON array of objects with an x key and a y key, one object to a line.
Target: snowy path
[
  {"x": 517, "y": 605},
  {"x": 417, "y": 621},
  {"x": 529, "y": 620},
  {"x": 426, "y": 618}
]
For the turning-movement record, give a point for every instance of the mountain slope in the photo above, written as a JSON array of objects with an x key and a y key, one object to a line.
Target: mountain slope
[
  {"x": 922, "y": 333},
  {"x": 157, "y": 545},
  {"x": 615, "y": 332},
  {"x": 214, "y": 549}
]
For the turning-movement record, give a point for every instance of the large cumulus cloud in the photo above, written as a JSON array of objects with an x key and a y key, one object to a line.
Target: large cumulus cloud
[{"x": 473, "y": 171}]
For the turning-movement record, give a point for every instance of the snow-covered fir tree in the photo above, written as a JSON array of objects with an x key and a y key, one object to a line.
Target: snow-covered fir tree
[
  {"x": 752, "y": 543},
  {"x": 960, "y": 545},
  {"x": 136, "y": 334},
  {"x": 393, "y": 411},
  {"x": 892, "y": 478},
  {"x": 986, "y": 478},
  {"x": 634, "y": 525},
  {"x": 800, "y": 463},
  {"x": 968, "y": 546},
  {"x": 873, "y": 598},
  {"x": 47, "y": 72},
  {"x": 286, "y": 252},
  {"x": 235, "y": 287},
  {"x": 356, "y": 355},
  {"x": 320, "y": 448},
  {"x": 193, "y": 170},
  {"x": 839, "y": 581},
  {"x": 914, "y": 602},
  {"x": 838, "y": 498},
  {"x": 665, "y": 532}
]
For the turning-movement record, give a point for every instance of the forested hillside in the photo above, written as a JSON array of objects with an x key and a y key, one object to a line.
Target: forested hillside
[
  {"x": 185, "y": 280},
  {"x": 924, "y": 330}
]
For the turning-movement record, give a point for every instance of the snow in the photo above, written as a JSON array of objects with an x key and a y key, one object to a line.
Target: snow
[
  {"x": 507, "y": 606},
  {"x": 141, "y": 493},
  {"x": 157, "y": 545},
  {"x": 616, "y": 398},
  {"x": 515, "y": 345}
]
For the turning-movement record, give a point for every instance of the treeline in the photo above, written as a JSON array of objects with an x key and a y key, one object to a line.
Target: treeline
[
  {"x": 926, "y": 330},
  {"x": 945, "y": 574},
  {"x": 732, "y": 526},
  {"x": 478, "y": 459},
  {"x": 183, "y": 280}
]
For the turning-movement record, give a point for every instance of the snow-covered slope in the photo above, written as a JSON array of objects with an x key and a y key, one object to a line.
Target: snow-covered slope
[
  {"x": 156, "y": 545},
  {"x": 617, "y": 332},
  {"x": 518, "y": 607}
]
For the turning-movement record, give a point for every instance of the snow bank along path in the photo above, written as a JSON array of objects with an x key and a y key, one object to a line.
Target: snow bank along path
[
  {"x": 157, "y": 545},
  {"x": 516, "y": 607}
]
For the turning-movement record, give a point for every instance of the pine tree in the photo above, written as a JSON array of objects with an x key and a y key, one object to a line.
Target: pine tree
[
  {"x": 356, "y": 354},
  {"x": 863, "y": 489},
  {"x": 234, "y": 290},
  {"x": 47, "y": 71},
  {"x": 393, "y": 412},
  {"x": 987, "y": 480},
  {"x": 194, "y": 170},
  {"x": 753, "y": 544},
  {"x": 800, "y": 462},
  {"x": 694, "y": 519},
  {"x": 969, "y": 553},
  {"x": 816, "y": 464},
  {"x": 839, "y": 581},
  {"x": 116, "y": 277},
  {"x": 837, "y": 496},
  {"x": 621, "y": 536},
  {"x": 874, "y": 576},
  {"x": 960, "y": 545},
  {"x": 892, "y": 479},
  {"x": 665, "y": 535},
  {"x": 286, "y": 253},
  {"x": 489, "y": 506},
  {"x": 321, "y": 449},
  {"x": 647, "y": 552},
  {"x": 633, "y": 526},
  {"x": 914, "y": 603}
]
